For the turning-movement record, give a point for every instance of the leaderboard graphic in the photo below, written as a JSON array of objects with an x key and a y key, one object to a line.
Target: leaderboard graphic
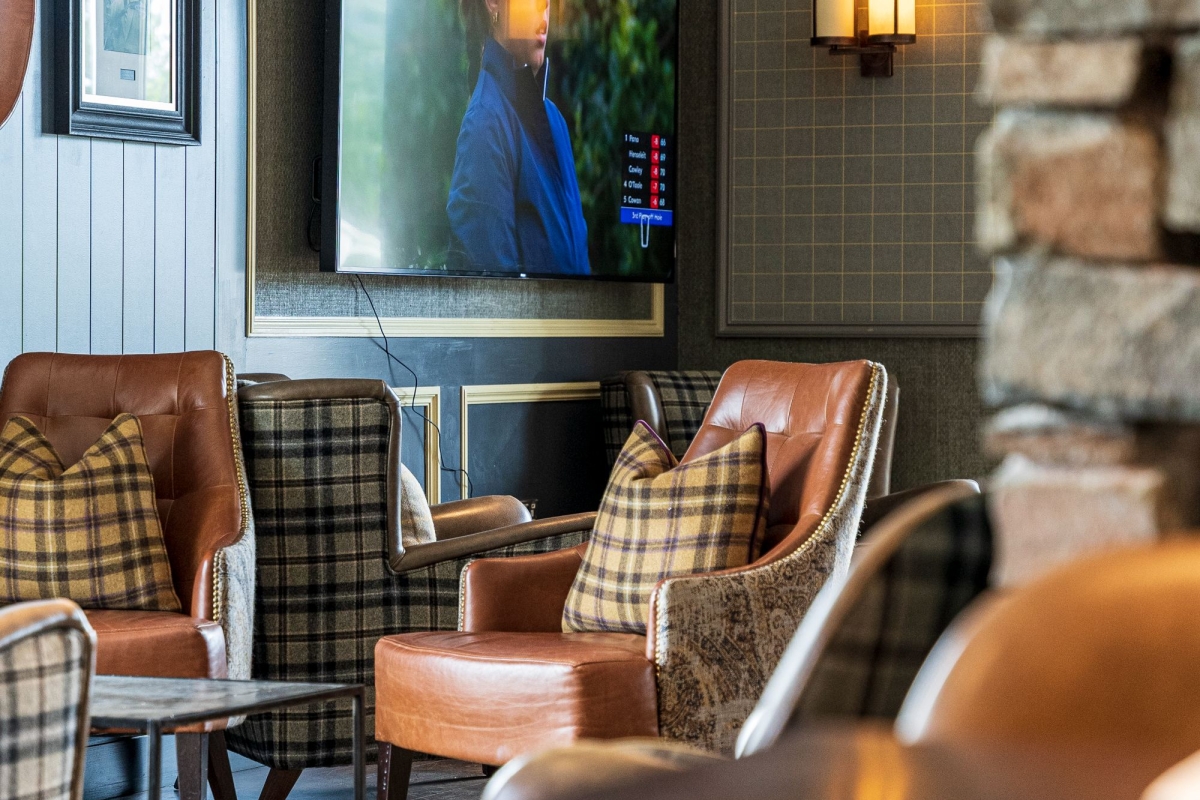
[{"x": 647, "y": 182}]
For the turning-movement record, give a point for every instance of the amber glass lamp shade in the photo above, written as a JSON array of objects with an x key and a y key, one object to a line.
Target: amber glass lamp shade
[
  {"x": 833, "y": 23},
  {"x": 892, "y": 21}
]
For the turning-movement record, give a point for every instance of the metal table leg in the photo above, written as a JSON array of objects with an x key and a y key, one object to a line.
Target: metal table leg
[
  {"x": 154, "y": 735},
  {"x": 360, "y": 767}
]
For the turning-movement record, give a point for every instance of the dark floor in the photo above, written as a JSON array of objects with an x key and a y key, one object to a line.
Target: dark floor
[{"x": 431, "y": 780}]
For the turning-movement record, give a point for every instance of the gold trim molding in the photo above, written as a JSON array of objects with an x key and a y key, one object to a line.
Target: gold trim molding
[
  {"x": 428, "y": 402},
  {"x": 403, "y": 327},
  {"x": 512, "y": 393}
]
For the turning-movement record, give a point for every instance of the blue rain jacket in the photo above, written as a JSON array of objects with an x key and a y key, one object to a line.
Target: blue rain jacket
[{"x": 514, "y": 198}]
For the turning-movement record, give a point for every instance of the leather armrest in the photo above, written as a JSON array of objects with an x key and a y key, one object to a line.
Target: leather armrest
[
  {"x": 470, "y": 544},
  {"x": 197, "y": 526},
  {"x": 645, "y": 403},
  {"x": 462, "y": 517},
  {"x": 879, "y": 507},
  {"x": 525, "y": 594}
]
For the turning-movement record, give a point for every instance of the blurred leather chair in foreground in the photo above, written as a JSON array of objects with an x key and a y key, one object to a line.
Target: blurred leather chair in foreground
[
  {"x": 512, "y": 681},
  {"x": 349, "y": 551},
  {"x": 1104, "y": 651},
  {"x": 916, "y": 570},
  {"x": 1096, "y": 662},
  {"x": 47, "y": 656}
]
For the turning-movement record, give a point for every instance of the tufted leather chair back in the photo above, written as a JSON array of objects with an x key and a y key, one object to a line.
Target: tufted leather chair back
[
  {"x": 184, "y": 403},
  {"x": 812, "y": 414}
]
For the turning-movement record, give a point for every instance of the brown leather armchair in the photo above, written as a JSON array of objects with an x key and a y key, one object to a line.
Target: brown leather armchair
[
  {"x": 188, "y": 409},
  {"x": 1103, "y": 652},
  {"x": 511, "y": 681},
  {"x": 854, "y": 655}
]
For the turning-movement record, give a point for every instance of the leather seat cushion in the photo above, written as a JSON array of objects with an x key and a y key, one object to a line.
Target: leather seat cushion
[
  {"x": 487, "y": 697},
  {"x": 157, "y": 644}
]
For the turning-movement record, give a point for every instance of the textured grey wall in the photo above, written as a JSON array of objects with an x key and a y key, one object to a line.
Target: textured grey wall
[
  {"x": 852, "y": 198},
  {"x": 940, "y": 408}
]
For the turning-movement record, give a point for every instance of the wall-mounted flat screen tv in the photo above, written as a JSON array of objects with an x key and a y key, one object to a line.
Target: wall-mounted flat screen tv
[{"x": 506, "y": 138}]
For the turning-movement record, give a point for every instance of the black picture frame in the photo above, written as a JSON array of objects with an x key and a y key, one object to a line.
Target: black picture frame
[{"x": 76, "y": 117}]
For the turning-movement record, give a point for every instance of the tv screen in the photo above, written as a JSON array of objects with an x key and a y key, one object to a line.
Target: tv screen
[{"x": 508, "y": 138}]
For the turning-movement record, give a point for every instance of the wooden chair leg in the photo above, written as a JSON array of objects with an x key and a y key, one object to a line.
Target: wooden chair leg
[
  {"x": 220, "y": 774},
  {"x": 191, "y": 751},
  {"x": 395, "y": 769},
  {"x": 279, "y": 784}
]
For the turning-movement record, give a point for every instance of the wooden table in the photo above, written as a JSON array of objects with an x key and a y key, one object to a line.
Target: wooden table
[
  {"x": 157, "y": 706},
  {"x": 867, "y": 763}
]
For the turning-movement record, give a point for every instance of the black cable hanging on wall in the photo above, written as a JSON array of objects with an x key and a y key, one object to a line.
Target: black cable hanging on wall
[{"x": 314, "y": 244}]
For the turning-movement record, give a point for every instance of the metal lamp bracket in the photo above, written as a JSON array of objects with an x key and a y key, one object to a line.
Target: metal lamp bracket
[{"x": 875, "y": 60}]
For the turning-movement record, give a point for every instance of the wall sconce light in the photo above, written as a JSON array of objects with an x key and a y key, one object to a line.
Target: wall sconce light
[{"x": 887, "y": 23}]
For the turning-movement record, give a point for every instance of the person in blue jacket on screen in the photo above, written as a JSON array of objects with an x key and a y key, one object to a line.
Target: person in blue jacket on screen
[{"x": 514, "y": 197}]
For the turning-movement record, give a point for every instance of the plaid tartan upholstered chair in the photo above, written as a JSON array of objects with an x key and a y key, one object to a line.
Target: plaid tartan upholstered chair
[
  {"x": 349, "y": 551},
  {"x": 512, "y": 682},
  {"x": 921, "y": 566},
  {"x": 673, "y": 404},
  {"x": 47, "y": 657}
]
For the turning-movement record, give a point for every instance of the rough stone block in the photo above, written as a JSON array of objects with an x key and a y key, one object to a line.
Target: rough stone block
[
  {"x": 1047, "y": 516},
  {"x": 1185, "y": 76},
  {"x": 1052, "y": 436},
  {"x": 1060, "y": 18},
  {"x": 1082, "y": 184},
  {"x": 1118, "y": 341},
  {"x": 1181, "y": 208},
  {"x": 1098, "y": 74},
  {"x": 1181, "y": 211}
]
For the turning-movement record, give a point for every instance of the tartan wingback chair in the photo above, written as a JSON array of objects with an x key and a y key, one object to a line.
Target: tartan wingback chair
[
  {"x": 349, "y": 551},
  {"x": 672, "y": 403},
  {"x": 47, "y": 657}
]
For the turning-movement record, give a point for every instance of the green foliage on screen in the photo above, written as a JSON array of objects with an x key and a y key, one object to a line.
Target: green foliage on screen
[{"x": 615, "y": 74}]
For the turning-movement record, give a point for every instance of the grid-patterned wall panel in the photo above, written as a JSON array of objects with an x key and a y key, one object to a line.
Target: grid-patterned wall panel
[{"x": 850, "y": 201}]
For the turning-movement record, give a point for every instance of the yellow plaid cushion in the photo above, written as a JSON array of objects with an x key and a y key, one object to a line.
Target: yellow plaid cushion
[
  {"x": 89, "y": 533},
  {"x": 659, "y": 519}
]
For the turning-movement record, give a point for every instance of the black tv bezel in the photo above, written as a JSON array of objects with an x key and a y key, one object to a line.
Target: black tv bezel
[{"x": 331, "y": 185}]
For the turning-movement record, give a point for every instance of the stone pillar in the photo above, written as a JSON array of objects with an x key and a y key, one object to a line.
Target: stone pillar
[{"x": 1089, "y": 197}]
